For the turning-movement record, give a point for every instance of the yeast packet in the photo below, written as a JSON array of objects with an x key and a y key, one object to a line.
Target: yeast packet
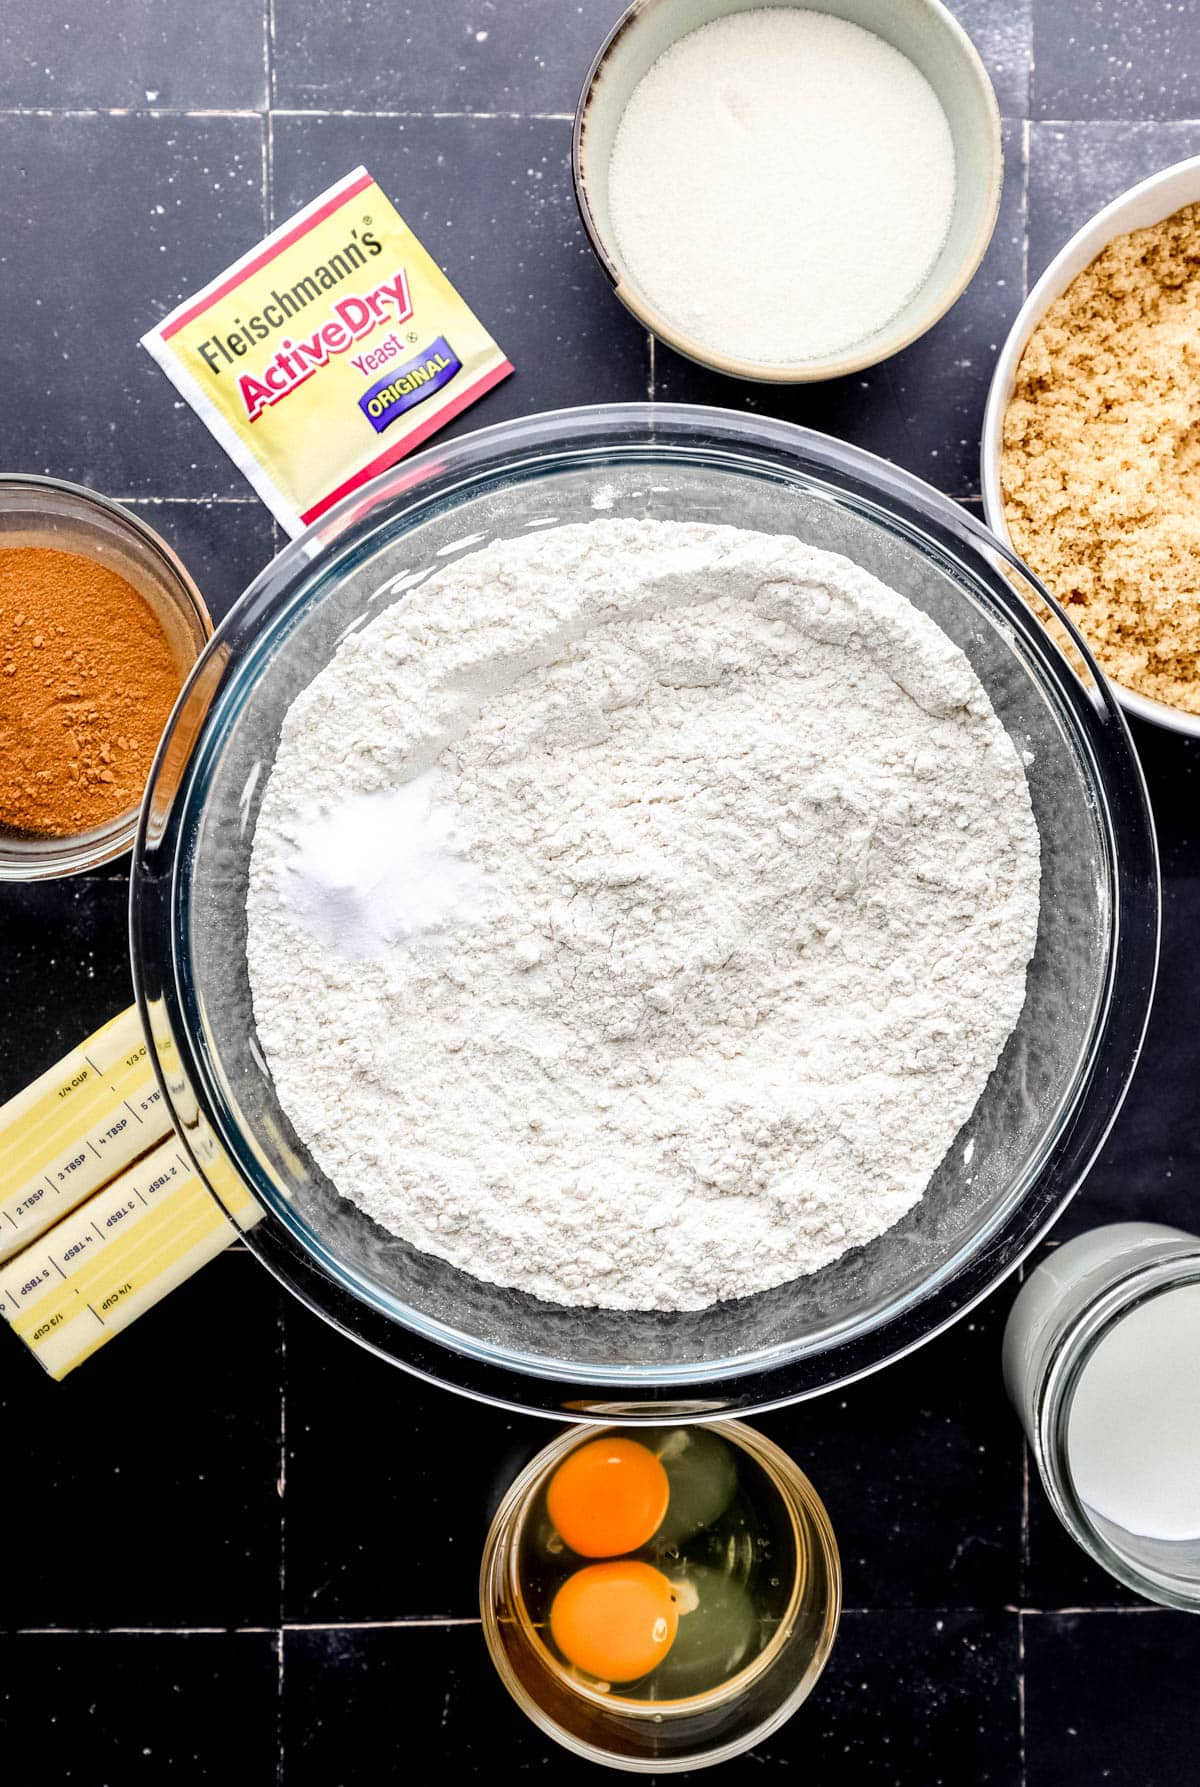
[{"x": 327, "y": 352}]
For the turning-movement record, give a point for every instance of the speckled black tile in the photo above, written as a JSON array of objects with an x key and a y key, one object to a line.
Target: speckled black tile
[
  {"x": 491, "y": 200},
  {"x": 911, "y": 1700},
  {"x": 464, "y": 56},
  {"x": 109, "y": 1710},
  {"x": 223, "y": 545},
  {"x": 1003, "y": 36},
  {"x": 108, "y": 223},
  {"x": 64, "y": 968},
  {"x": 923, "y": 408},
  {"x": 907, "y": 1700},
  {"x": 126, "y": 53},
  {"x": 391, "y": 1484},
  {"x": 157, "y": 1466},
  {"x": 514, "y": 55},
  {"x": 1110, "y": 59},
  {"x": 1110, "y": 1699},
  {"x": 920, "y": 1469},
  {"x": 1074, "y": 169}
]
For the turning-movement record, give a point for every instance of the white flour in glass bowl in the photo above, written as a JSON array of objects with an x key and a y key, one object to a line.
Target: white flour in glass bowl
[{"x": 638, "y": 909}]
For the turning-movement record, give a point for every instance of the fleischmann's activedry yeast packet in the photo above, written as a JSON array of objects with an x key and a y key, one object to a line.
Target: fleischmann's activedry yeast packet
[{"x": 329, "y": 351}]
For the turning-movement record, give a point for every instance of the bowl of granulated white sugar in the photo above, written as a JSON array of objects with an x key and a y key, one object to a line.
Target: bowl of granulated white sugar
[{"x": 787, "y": 194}]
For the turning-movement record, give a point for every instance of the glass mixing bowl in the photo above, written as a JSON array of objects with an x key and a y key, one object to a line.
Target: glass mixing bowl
[{"x": 1046, "y": 1108}]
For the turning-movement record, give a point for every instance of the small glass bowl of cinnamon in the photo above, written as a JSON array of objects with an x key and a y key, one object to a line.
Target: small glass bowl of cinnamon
[{"x": 99, "y": 627}]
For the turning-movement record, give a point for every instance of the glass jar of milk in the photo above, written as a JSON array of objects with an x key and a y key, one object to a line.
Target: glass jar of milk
[{"x": 1102, "y": 1362}]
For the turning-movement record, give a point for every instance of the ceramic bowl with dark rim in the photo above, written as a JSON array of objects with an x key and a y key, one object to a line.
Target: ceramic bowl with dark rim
[{"x": 932, "y": 40}]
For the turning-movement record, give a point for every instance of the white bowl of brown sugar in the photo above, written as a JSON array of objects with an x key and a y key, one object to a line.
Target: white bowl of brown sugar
[{"x": 1091, "y": 441}]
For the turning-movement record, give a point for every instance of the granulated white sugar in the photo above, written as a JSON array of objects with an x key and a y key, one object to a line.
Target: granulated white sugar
[
  {"x": 637, "y": 910},
  {"x": 781, "y": 184}
]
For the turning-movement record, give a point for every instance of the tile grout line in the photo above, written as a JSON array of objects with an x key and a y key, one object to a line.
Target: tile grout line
[
  {"x": 292, "y": 111},
  {"x": 379, "y": 1625},
  {"x": 1025, "y": 140},
  {"x": 1021, "y": 1697},
  {"x": 1024, "y": 1518},
  {"x": 281, "y": 1480},
  {"x": 129, "y": 111},
  {"x": 1074, "y": 1612},
  {"x": 438, "y": 1622},
  {"x": 163, "y": 111},
  {"x": 279, "y": 1778},
  {"x": 269, "y": 171},
  {"x": 166, "y": 111},
  {"x": 143, "y": 1631},
  {"x": 417, "y": 1623},
  {"x": 269, "y": 50},
  {"x": 269, "y": 132}
]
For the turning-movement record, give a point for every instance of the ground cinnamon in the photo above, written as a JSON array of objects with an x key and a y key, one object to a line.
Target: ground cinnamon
[{"x": 87, "y": 679}]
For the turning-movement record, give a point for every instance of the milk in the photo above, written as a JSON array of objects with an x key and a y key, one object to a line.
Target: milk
[
  {"x": 1133, "y": 1432},
  {"x": 1102, "y": 1362}
]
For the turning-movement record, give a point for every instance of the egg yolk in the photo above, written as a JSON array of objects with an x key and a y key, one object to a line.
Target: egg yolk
[
  {"x": 608, "y": 1496},
  {"x": 615, "y": 1621}
]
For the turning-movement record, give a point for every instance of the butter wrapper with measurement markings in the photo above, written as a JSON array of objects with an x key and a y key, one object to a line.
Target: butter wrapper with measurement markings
[
  {"x": 117, "y": 1255},
  {"x": 78, "y": 1125},
  {"x": 327, "y": 352}
]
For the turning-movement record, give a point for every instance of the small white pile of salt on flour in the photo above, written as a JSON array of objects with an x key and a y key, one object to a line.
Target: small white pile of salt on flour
[{"x": 738, "y": 886}]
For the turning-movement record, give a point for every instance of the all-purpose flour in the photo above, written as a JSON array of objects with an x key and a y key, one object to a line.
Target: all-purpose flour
[{"x": 739, "y": 883}]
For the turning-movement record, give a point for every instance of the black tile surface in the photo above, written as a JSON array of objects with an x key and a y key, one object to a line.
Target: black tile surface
[
  {"x": 367, "y": 1450},
  {"x": 1110, "y": 1699},
  {"x": 114, "y": 1709},
  {"x": 108, "y": 222},
  {"x": 1003, "y": 35},
  {"x": 130, "y": 53},
  {"x": 279, "y": 1478},
  {"x": 460, "y": 56},
  {"x": 157, "y": 1467},
  {"x": 1077, "y": 167},
  {"x": 64, "y": 936},
  {"x": 356, "y": 1704},
  {"x": 223, "y": 544},
  {"x": 1108, "y": 59}
]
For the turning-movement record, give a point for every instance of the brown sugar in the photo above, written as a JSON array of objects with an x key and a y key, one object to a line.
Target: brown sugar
[
  {"x": 87, "y": 679},
  {"x": 1101, "y": 457}
]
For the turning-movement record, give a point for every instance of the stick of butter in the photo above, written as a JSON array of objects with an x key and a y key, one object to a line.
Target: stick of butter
[
  {"x": 78, "y": 1125},
  {"x": 116, "y": 1256},
  {"x": 327, "y": 352}
]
